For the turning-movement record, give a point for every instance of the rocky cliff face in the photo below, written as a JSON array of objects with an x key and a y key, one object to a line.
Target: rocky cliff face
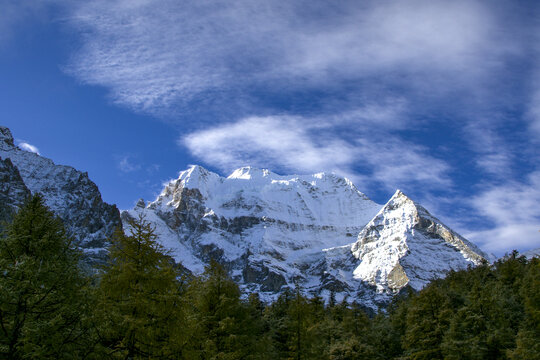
[
  {"x": 317, "y": 231},
  {"x": 67, "y": 191},
  {"x": 13, "y": 191},
  {"x": 405, "y": 245}
]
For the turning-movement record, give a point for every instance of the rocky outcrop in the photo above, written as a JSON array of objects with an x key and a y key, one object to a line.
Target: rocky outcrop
[
  {"x": 13, "y": 192},
  {"x": 69, "y": 193}
]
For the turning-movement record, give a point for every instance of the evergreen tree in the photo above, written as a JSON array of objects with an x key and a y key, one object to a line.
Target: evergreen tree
[
  {"x": 427, "y": 320},
  {"x": 297, "y": 315},
  {"x": 139, "y": 306},
  {"x": 220, "y": 324},
  {"x": 42, "y": 289},
  {"x": 528, "y": 337}
]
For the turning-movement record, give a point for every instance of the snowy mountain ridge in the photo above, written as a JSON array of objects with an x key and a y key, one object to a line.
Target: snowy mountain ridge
[
  {"x": 318, "y": 231},
  {"x": 404, "y": 244}
]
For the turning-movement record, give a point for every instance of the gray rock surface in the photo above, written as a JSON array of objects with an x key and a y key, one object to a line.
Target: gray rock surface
[
  {"x": 13, "y": 191},
  {"x": 68, "y": 192}
]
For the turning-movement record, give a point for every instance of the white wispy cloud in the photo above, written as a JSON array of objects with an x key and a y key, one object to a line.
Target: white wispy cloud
[
  {"x": 127, "y": 165},
  {"x": 28, "y": 147},
  {"x": 513, "y": 209},
  {"x": 154, "y": 54},
  {"x": 284, "y": 142},
  {"x": 381, "y": 69}
]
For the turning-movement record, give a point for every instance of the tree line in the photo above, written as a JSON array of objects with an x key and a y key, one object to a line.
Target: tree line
[{"x": 139, "y": 306}]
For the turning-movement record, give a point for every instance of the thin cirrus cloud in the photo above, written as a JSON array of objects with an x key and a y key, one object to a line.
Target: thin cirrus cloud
[
  {"x": 156, "y": 55},
  {"x": 288, "y": 143},
  {"x": 513, "y": 209},
  {"x": 126, "y": 164},
  {"x": 251, "y": 65}
]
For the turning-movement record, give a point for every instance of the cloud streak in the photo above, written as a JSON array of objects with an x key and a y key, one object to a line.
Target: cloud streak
[
  {"x": 28, "y": 147},
  {"x": 513, "y": 209},
  {"x": 311, "y": 145},
  {"x": 162, "y": 55}
]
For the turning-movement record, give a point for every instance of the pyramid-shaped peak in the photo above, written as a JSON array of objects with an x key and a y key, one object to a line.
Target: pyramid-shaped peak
[
  {"x": 400, "y": 195},
  {"x": 401, "y": 201},
  {"x": 404, "y": 244}
]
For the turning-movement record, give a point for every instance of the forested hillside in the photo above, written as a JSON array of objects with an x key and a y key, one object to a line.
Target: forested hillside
[{"x": 139, "y": 306}]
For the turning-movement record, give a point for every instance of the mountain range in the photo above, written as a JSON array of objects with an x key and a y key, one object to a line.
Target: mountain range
[{"x": 271, "y": 232}]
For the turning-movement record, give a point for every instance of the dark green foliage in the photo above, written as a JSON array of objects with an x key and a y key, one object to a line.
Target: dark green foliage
[
  {"x": 138, "y": 312},
  {"x": 140, "y": 308},
  {"x": 42, "y": 290},
  {"x": 221, "y": 326}
]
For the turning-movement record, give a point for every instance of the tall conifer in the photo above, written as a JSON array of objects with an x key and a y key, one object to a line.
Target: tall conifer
[{"x": 42, "y": 289}]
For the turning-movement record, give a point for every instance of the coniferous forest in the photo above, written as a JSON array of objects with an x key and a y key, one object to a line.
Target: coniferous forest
[{"x": 139, "y": 306}]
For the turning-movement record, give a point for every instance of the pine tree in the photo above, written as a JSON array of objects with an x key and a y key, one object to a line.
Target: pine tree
[
  {"x": 42, "y": 289},
  {"x": 139, "y": 305}
]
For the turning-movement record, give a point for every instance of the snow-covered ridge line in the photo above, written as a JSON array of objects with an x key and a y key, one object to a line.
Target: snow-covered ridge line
[{"x": 274, "y": 230}]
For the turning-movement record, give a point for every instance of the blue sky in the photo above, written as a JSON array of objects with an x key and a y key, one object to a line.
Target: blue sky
[{"x": 440, "y": 99}]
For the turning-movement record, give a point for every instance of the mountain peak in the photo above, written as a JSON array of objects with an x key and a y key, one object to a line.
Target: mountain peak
[
  {"x": 405, "y": 245},
  {"x": 6, "y": 138},
  {"x": 249, "y": 173},
  {"x": 196, "y": 176},
  {"x": 399, "y": 194}
]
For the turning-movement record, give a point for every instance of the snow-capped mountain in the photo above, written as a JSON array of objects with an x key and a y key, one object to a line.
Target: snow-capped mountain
[
  {"x": 405, "y": 245},
  {"x": 67, "y": 191},
  {"x": 269, "y": 230},
  {"x": 317, "y": 231}
]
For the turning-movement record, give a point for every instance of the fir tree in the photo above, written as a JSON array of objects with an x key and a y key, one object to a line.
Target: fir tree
[{"x": 42, "y": 289}]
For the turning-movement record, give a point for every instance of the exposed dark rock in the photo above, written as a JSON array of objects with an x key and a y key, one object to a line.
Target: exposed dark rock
[
  {"x": 69, "y": 193},
  {"x": 13, "y": 191}
]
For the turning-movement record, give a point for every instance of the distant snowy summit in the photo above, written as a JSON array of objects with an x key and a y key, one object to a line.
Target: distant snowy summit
[
  {"x": 318, "y": 231},
  {"x": 67, "y": 191}
]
